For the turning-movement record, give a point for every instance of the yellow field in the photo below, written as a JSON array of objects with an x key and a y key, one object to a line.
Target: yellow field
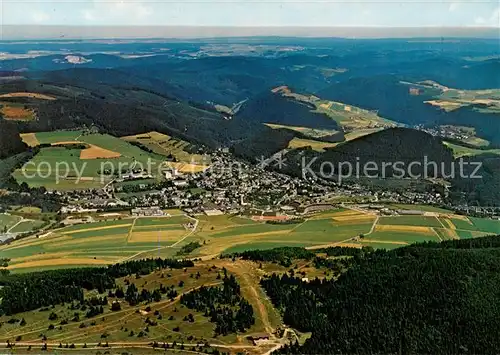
[
  {"x": 16, "y": 113},
  {"x": 59, "y": 262},
  {"x": 38, "y": 257},
  {"x": 165, "y": 145},
  {"x": 457, "y": 216},
  {"x": 449, "y": 224},
  {"x": 451, "y": 233},
  {"x": 30, "y": 242},
  {"x": 88, "y": 240},
  {"x": 401, "y": 228},
  {"x": 67, "y": 143},
  {"x": 218, "y": 245},
  {"x": 30, "y": 139},
  {"x": 318, "y": 146},
  {"x": 95, "y": 152},
  {"x": 156, "y": 236},
  {"x": 99, "y": 228},
  {"x": 448, "y": 106},
  {"x": 384, "y": 241},
  {"x": 92, "y": 151},
  {"x": 335, "y": 244},
  {"x": 29, "y": 95}
]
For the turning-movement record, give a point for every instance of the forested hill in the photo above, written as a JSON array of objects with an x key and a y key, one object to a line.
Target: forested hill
[
  {"x": 388, "y": 146},
  {"x": 120, "y": 107},
  {"x": 10, "y": 142},
  {"x": 423, "y": 299},
  {"x": 270, "y": 107}
]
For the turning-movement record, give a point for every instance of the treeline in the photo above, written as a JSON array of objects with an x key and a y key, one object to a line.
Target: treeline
[
  {"x": 492, "y": 241},
  {"x": 283, "y": 256},
  {"x": 26, "y": 292},
  {"x": 345, "y": 251},
  {"x": 224, "y": 306},
  {"x": 10, "y": 141},
  {"x": 480, "y": 189},
  {"x": 423, "y": 299},
  {"x": 188, "y": 248}
]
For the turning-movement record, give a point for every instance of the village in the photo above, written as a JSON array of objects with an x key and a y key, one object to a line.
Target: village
[{"x": 230, "y": 186}]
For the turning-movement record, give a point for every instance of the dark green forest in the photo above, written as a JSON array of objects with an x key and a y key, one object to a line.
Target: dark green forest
[
  {"x": 224, "y": 306},
  {"x": 10, "y": 142},
  {"x": 26, "y": 292},
  {"x": 427, "y": 298}
]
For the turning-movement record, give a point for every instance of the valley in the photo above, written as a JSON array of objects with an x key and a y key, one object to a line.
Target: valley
[
  {"x": 249, "y": 195},
  {"x": 122, "y": 237}
]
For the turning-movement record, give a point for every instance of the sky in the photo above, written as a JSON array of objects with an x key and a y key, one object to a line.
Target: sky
[{"x": 367, "y": 13}]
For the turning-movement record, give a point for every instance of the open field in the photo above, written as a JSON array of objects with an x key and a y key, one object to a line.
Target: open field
[
  {"x": 310, "y": 132},
  {"x": 7, "y": 221},
  {"x": 57, "y": 136},
  {"x": 222, "y": 233},
  {"x": 350, "y": 117},
  {"x": 476, "y": 141},
  {"x": 404, "y": 228},
  {"x": 102, "y": 156},
  {"x": 318, "y": 146},
  {"x": 425, "y": 208},
  {"x": 111, "y": 241},
  {"x": 95, "y": 152},
  {"x": 16, "y": 112},
  {"x": 30, "y": 95},
  {"x": 167, "y": 146},
  {"x": 461, "y": 151},
  {"x": 411, "y": 221},
  {"x": 401, "y": 237},
  {"x": 449, "y": 99},
  {"x": 121, "y": 328},
  {"x": 30, "y": 139},
  {"x": 97, "y": 243},
  {"x": 341, "y": 227}
]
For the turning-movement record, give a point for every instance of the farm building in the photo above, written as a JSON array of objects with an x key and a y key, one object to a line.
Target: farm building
[{"x": 147, "y": 212}]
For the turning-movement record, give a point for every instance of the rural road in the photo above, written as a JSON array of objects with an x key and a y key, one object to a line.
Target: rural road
[{"x": 165, "y": 247}]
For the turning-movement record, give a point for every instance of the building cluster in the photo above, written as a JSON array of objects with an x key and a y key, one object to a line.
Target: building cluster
[
  {"x": 458, "y": 133},
  {"x": 232, "y": 186}
]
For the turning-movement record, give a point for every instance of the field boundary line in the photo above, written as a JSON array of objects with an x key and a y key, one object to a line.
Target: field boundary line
[
  {"x": 374, "y": 225},
  {"x": 165, "y": 247},
  {"x": 437, "y": 234},
  {"x": 129, "y": 235}
]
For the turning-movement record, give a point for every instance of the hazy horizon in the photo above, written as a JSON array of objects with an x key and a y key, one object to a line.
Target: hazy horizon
[{"x": 41, "y": 32}]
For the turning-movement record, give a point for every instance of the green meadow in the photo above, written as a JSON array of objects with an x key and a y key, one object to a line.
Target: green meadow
[
  {"x": 87, "y": 244},
  {"x": 419, "y": 221},
  {"x": 64, "y": 164},
  {"x": 406, "y": 237}
]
